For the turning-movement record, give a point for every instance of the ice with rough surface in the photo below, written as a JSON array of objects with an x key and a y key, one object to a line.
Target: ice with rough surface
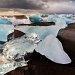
[{"x": 15, "y": 49}]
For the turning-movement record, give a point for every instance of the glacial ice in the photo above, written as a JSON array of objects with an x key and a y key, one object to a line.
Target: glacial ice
[
  {"x": 53, "y": 50},
  {"x": 44, "y": 31},
  {"x": 50, "y": 46},
  {"x": 16, "y": 49},
  {"x": 5, "y": 30},
  {"x": 61, "y": 19}
]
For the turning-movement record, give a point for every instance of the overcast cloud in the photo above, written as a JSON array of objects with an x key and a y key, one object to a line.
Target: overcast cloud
[{"x": 49, "y": 6}]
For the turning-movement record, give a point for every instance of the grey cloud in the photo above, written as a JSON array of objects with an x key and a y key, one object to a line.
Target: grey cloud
[
  {"x": 30, "y": 4},
  {"x": 25, "y": 4}
]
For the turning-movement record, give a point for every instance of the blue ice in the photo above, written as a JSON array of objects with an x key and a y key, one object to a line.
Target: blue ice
[
  {"x": 5, "y": 30},
  {"x": 5, "y": 21},
  {"x": 44, "y": 31}
]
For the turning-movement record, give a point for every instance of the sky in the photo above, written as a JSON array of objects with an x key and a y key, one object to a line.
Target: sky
[{"x": 48, "y": 6}]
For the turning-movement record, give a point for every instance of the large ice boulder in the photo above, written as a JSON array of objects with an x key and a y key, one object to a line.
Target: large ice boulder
[
  {"x": 52, "y": 48},
  {"x": 36, "y": 19}
]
